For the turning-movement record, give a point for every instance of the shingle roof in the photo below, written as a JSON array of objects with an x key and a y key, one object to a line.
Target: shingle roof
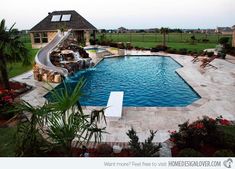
[
  {"x": 224, "y": 29},
  {"x": 77, "y": 22}
]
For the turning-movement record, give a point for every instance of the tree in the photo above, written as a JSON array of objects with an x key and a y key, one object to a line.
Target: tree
[
  {"x": 164, "y": 31},
  {"x": 193, "y": 39},
  {"x": 224, "y": 40},
  {"x": 62, "y": 27},
  {"x": 224, "y": 46},
  {"x": 11, "y": 50}
]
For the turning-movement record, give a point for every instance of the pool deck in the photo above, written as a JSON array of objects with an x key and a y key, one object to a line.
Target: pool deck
[{"x": 216, "y": 86}]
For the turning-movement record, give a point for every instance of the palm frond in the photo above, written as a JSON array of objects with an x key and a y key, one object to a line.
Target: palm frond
[
  {"x": 98, "y": 115},
  {"x": 65, "y": 98}
]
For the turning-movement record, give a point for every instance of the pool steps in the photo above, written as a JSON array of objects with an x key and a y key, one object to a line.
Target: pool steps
[{"x": 114, "y": 105}]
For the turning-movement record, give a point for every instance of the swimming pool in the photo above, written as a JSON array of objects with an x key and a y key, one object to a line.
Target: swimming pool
[{"x": 147, "y": 81}]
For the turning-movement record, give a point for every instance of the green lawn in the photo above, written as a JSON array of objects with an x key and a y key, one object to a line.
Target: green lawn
[
  {"x": 157, "y": 37},
  {"x": 17, "y": 68},
  {"x": 7, "y": 142},
  {"x": 196, "y": 47},
  {"x": 25, "y": 38},
  {"x": 174, "y": 40}
]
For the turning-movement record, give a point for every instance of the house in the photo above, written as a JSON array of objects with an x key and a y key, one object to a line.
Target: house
[
  {"x": 43, "y": 32},
  {"x": 122, "y": 30},
  {"x": 207, "y": 31},
  {"x": 224, "y": 30}
]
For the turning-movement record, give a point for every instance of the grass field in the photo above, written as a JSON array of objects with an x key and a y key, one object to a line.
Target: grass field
[
  {"x": 15, "y": 69},
  {"x": 174, "y": 40},
  {"x": 7, "y": 142},
  {"x": 25, "y": 38}
]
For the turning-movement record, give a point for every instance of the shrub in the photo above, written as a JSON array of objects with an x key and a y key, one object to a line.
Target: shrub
[
  {"x": 138, "y": 48},
  {"x": 159, "y": 48},
  {"x": 183, "y": 51},
  {"x": 189, "y": 52},
  {"x": 223, "y": 40},
  {"x": 146, "y": 149},
  {"x": 93, "y": 42},
  {"x": 205, "y": 40},
  {"x": 224, "y": 153},
  {"x": 6, "y": 103},
  {"x": 218, "y": 132},
  {"x": 195, "y": 134},
  {"x": 189, "y": 152},
  {"x": 113, "y": 44},
  {"x": 103, "y": 38},
  {"x": 129, "y": 45},
  {"x": 170, "y": 50}
]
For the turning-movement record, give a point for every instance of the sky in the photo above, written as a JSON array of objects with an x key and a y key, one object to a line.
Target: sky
[{"x": 131, "y": 14}]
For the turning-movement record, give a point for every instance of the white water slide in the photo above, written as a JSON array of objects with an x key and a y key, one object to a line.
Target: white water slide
[{"x": 43, "y": 56}]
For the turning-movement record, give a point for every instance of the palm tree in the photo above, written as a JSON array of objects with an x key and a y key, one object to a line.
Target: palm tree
[
  {"x": 61, "y": 122},
  {"x": 11, "y": 50},
  {"x": 164, "y": 31}
]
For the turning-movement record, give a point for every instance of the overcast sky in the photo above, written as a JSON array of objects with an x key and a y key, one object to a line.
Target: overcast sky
[{"x": 111, "y": 14}]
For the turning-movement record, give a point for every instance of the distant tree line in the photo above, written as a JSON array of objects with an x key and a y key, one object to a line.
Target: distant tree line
[{"x": 155, "y": 30}]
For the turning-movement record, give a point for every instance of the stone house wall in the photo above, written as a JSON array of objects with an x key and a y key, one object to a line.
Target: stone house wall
[{"x": 50, "y": 36}]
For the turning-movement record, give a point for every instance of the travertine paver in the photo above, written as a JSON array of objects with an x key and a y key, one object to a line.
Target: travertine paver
[{"x": 216, "y": 86}]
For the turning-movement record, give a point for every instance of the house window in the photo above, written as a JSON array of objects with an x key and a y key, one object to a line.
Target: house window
[
  {"x": 36, "y": 38},
  {"x": 55, "y": 18},
  {"x": 44, "y": 37},
  {"x": 66, "y": 17}
]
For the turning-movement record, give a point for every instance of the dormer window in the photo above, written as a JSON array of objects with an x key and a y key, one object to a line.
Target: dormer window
[
  {"x": 66, "y": 17},
  {"x": 55, "y": 18}
]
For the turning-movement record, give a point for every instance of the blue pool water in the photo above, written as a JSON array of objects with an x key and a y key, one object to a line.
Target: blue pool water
[{"x": 146, "y": 81}]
